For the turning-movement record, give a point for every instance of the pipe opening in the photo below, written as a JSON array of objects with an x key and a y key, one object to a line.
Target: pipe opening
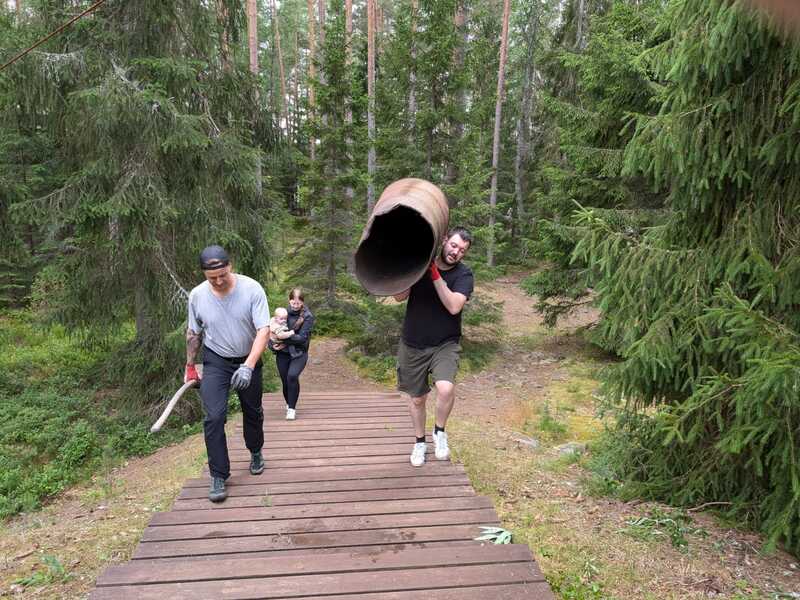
[{"x": 396, "y": 253}]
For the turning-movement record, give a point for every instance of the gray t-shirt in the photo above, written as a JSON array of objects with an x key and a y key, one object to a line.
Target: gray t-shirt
[{"x": 229, "y": 324}]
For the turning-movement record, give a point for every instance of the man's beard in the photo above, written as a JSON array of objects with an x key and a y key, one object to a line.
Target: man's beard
[{"x": 443, "y": 256}]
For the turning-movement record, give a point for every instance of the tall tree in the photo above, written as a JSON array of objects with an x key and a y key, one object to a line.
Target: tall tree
[
  {"x": 702, "y": 308},
  {"x": 412, "y": 73},
  {"x": 498, "y": 114},
  {"x": 348, "y": 117},
  {"x": 320, "y": 264},
  {"x": 150, "y": 158},
  {"x": 523, "y": 129},
  {"x": 371, "y": 104},
  {"x": 281, "y": 72},
  {"x": 312, "y": 72}
]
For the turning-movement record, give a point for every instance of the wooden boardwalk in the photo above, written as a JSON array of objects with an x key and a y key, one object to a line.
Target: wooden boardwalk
[{"x": 338, "y": 513}]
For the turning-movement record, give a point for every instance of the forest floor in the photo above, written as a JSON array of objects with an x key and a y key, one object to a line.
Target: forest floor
[{"x": 513, "y": 427}]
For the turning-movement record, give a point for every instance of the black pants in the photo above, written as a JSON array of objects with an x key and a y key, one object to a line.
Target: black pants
[
  {"x": 289, "y": 369},
  {"x": 214, "y": 390}
]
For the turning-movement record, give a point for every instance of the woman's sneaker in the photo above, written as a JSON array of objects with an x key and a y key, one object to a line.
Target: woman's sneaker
[
  {"x": 418, "y": 454},
  {"x": 290, "y": 414},
  {"x": 441, "y": 449}
]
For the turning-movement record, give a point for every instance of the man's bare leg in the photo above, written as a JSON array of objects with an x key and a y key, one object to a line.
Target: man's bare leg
[
  {"x": 445, "y": 398},
  {"x": 416, "y": 406}
]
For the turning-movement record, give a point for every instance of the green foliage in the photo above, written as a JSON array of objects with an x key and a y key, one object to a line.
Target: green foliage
[
  {"x": 702, "y": 307},
  {"x": 53, "y": 572},
  {"x": 591, "y": 95},
  {"x": 579, "y": 586},
  {"x": 661, "y": 524},
  {"x": 126, "y": 147},
  {"x": 497, "y": 535},
  {"x": 56, "y": 428}
]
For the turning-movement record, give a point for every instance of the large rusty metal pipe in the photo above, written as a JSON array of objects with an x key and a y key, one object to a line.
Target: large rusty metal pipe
[{"x": 402, "y": 236}]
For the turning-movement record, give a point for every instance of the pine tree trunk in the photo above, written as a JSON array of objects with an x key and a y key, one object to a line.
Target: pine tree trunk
[
  {"x": 456, "y": 126},
  {"x": 312, "y": 45},
  {"x": 581, "y": 18},
  {"x": 282, "y": 74},
  {"x": 252, "y": 43},
  {"x": 498, "y": 114},
  {"x": 522, "y": 157},
  {"x": 371, "y": 104},
  {"x": 224, "y": 36},
  {"x": 295, "y": 84},
  {"x": 412, "y": 76},
  {"x": 18, "y": 4},
  {"x": 348, "y": 115}
]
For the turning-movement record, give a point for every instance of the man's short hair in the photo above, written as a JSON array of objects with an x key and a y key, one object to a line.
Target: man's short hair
[{"x": 462, "y": 232}]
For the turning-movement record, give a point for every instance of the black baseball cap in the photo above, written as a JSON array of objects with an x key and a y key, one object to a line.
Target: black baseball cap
[{"x": 214, "y": 257}]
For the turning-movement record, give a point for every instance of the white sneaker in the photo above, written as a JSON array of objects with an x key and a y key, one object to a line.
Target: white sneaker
[
  {"x": 418, "y": 454},
  {"x": 290, "y": 414},
  {"x": 441, "y": 449}
]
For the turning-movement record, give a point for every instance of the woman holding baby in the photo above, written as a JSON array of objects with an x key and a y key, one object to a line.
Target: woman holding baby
[{"x": 290, "y": 333}]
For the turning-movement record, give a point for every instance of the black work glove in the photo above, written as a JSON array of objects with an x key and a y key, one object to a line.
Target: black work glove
[{"x": 241, "y": 378}]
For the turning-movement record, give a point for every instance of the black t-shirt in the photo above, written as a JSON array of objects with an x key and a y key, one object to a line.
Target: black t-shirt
[{"x": 428, "y": 323}]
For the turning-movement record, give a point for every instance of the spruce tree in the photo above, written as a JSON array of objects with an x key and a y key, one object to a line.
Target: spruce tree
[
  {"x": 331, "y": 231},
  {"x": 590, "y": 95},
  {"x": 703, "y": 309},
  {"x": 150, "y": 122}
]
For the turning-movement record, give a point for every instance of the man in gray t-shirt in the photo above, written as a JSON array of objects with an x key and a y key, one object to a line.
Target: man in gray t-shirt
[{"x": 229, "y": 316}]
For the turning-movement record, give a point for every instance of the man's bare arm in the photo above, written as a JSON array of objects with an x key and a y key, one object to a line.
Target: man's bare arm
[
  {"x": 453, "y": 301},
  {"x": 193, "y": 343},
  {"x": 262, "y": 337}
]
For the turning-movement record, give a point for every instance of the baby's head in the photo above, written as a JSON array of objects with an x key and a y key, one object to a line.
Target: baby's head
[{"x": 281, "y": 314}]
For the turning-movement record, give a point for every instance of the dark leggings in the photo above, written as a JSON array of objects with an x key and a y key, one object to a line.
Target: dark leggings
[{"x": 290, "y": 369}]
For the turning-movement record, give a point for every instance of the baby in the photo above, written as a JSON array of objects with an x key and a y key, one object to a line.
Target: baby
[{"x": 278, "y": 331}]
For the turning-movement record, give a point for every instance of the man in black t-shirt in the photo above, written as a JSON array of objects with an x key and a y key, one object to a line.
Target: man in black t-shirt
[{"x": 430, "y": 340}]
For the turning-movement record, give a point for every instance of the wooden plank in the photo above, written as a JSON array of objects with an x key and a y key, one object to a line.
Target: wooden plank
[
  {"x": 313, "y": 525},
  {"x": 334, "y": 473},
  {"x": 307, "y": 542},
  {"x": 520, "y": 591},
  {"x": 427, "y": 479},
  {"x": 282, "y": 424},
  {"x": 342, "y": 434},
  {"x": 277, "y": 469},
  {"x": 340, "y": 562},
  {"x": 306, "y": 427},
  {"x": 429, "y": 579},
  {"x": 236, "y": 442},
  {"x": 313, "y": 511},
  {"x": 306, "y": 463},
  {"x": 243, "y": 466},
  {"x": 326, "y": 498},
  {"x": 329, "y": 452}
]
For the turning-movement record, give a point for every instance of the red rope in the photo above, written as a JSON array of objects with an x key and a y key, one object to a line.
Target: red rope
[{"x": 56, "y": 32}]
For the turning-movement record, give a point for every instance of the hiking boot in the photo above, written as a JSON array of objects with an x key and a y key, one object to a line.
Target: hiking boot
[
  {"x": 418, "y": 454},
  {"x": 290, "y": 414},
  {"x": 256, "y": 463},
  {"x": 441, "y": 449},
  {"x": 217, "y": 492}
]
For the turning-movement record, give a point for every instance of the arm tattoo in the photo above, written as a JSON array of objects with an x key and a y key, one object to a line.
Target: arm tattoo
[{"x": 193, "y": 342}]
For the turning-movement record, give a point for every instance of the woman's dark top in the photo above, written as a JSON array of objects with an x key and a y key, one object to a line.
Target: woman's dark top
[{"x": 298, "y": 343}]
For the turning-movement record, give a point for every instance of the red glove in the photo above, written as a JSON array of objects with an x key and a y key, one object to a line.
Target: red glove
[
  {"x": 434, "y": 272},
  {"x": 190, "y": 374}
]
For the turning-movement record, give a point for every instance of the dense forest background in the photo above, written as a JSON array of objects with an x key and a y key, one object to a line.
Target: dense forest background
[{"x": 639, "y": 155}]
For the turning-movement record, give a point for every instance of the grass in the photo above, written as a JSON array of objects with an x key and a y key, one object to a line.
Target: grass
[{"x": 58, "y": 426}]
